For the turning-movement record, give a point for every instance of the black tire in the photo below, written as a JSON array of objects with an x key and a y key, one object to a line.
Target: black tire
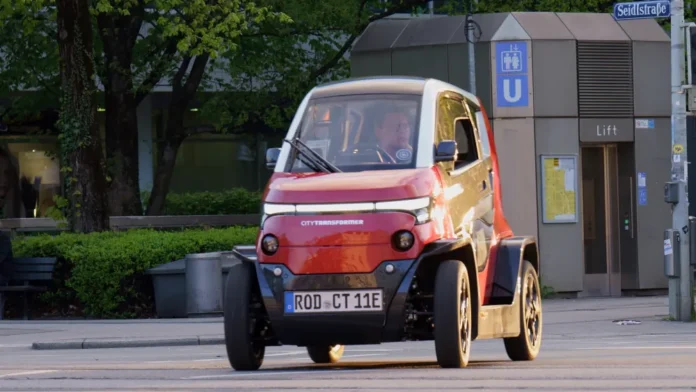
[
  {"x": 243, "y": 352},
  {"x": 526, "y": 346},
  {"x": 326, "y": 354},
  {"x": 452, "y": 323}
]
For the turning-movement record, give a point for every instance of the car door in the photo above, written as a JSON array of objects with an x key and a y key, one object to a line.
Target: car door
[
  {"x": 485, "y": 213},
  {"x": 466, "y": 179}
]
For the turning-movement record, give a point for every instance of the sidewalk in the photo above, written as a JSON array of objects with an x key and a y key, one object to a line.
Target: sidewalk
[
  {"x": 563, "y": 318},
  {"x": 77, "y": 334}
]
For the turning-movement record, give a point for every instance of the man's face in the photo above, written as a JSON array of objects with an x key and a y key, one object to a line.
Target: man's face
[{"x": 395, "y": 131}]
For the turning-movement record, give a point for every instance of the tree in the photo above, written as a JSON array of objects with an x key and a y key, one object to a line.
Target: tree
[
  {"x": 29, "y": 62},
  {"x": 119, "y": 24},
  {"x": 269, "y": 68},
  {"x": 81, "y": 147}
]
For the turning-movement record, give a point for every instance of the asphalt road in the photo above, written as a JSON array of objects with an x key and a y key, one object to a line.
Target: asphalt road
[{"x": 628, "y": 361}]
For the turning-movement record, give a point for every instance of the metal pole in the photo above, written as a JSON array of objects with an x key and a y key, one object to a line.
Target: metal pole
[
  {"x": 472, "y": 55},
  {"x": 680, "y": 305}
]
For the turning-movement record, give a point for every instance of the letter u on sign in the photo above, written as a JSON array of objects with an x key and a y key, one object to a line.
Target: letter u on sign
[
  {"x": 512, "y": 96},
  {"x": 512, "y": 91}
]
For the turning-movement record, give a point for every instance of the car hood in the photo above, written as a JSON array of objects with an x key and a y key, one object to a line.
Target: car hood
[{"x": 377, "y": 185}]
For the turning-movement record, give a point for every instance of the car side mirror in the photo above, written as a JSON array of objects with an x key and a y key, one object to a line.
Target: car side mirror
[
  {"x": 446, "y": 151},
  {"x": 272, "y": 155}
]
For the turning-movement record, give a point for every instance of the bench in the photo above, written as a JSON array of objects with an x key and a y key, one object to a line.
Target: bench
[{"x": 25, "y": 271}]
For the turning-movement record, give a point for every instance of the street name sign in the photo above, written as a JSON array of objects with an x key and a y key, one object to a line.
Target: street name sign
[{"x": 642, "y": 10}]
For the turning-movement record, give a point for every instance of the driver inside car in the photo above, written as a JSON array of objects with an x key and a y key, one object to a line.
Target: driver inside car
[{"x": 393, "y": 132}]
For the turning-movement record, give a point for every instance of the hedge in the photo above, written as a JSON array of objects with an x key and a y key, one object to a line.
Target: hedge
[
  {"x": 230, "y": 202},
  {"x": 103, "y": 273}
]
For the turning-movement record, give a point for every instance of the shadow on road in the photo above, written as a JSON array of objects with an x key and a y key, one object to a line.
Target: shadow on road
[{"x": 375, "y": 365}]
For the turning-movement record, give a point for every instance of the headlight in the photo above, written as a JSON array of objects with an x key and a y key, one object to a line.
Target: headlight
[
  {"x": 403, "y": 240},
  {"x": 269, "y": 244},
  {"x": 421, "y": 208},
  {"x": 276, "y": 209}
]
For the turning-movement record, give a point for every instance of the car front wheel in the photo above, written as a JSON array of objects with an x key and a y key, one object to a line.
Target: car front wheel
[
  {"x": 452, "y": 311},
  {"x": 244, "y": 350}
]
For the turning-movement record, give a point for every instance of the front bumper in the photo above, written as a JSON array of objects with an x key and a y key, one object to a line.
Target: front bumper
[{"x": 303, "y": 329}]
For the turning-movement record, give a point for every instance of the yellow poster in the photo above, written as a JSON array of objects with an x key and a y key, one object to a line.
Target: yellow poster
[{"x": 559, "y": 189}]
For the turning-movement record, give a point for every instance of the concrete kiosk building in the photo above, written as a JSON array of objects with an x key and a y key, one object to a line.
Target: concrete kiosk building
[{"x": 580, "y": 107}]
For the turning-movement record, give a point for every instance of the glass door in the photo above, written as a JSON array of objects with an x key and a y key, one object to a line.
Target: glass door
[{"x": 600, "y": 219}]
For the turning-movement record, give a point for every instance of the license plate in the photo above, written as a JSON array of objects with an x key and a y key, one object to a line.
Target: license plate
[{"x": 333, "y": 301}]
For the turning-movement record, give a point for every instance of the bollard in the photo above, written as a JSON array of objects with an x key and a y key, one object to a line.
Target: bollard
[{"x": 203, "y": 284}]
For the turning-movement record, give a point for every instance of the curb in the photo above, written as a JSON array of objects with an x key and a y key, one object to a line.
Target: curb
[{"x": 76, "y": 344}]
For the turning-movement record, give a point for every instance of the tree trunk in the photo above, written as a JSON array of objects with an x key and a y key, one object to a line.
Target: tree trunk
[
  {"x": 166, "y": 159},
  {"x": 122, "y": 154},
  {"x": 119, "y": 34},
  {"x": 81, "y": 146},
  {"x": 174, "y": 134}
]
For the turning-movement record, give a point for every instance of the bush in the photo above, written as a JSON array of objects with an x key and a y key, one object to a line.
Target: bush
[
  {"x": 230, "y": 202},
  {"x": 104, "y": 272}
]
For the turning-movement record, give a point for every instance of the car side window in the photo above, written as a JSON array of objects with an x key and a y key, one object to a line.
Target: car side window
[
  {"x": 453, "y": 123},
  {"x": 483, "y": 135},
  {"x": 466, "y": 143}
]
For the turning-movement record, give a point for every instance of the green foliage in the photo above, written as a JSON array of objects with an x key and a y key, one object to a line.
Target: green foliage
[
  {"x": 230, "y": 202},
  {"x": 29, "y": 60},
  {"x": 104, "y": 272},
  {"x": 58, "y": 211},
  {"x": 275, "y": 65}
]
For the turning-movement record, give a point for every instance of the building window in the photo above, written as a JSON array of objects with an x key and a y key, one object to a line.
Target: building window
[{"x": 39, "y": 177}]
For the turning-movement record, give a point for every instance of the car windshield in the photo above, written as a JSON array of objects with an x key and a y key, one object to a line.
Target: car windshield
[{"x": 359, "y": 132}]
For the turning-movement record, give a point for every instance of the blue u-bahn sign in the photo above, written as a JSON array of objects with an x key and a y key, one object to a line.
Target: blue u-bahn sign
[{"x": 642, "y": 10}]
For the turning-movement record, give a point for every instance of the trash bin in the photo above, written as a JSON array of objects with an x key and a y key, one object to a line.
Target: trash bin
[
  {"x": 228, "y": 259},
  {"x": 203, "y": 284}
]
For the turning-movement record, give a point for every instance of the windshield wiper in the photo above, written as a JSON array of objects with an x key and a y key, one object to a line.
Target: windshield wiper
[
  {"x": 317, "y": 161},
  {"x": 308, "y": 160}
]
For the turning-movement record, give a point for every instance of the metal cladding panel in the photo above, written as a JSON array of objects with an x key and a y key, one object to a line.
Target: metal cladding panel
[
  {"x": 555, "y": 84},
  {"x": 510, "y": 29},
  {"x": 543, "y": 26},
  {"x": 644, "y": 30},
  {"x": 429, "y": 31},
  {"x": 482, "y": 52},
  {"x": 651, "y": 78},
  {"x": 489, "y": 23},
  {"x": 514, "y": 139},
  {"x": 605, "y": 79},
  {"x": 370, "y": 64},
  {"x": 587, "y": 26},
  {"x": 379, "y": 35},
  {"x": 652, "y": 147},
  {"x": 458, "y": 65},
  {"x": 561, "y": 243},
  {"x": 424, "y": 61}
]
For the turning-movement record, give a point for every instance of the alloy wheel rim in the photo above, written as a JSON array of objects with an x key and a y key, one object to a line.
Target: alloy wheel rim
[
  {"x": 464, "y": 317},
  {"x": 532, "y": 310}
]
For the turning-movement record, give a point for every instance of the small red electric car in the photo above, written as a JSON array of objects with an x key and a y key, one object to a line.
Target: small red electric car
[{"x": 383, "y": 222}]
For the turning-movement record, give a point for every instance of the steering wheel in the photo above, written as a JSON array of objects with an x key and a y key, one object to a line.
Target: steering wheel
[{"x": 373, "y": 147}]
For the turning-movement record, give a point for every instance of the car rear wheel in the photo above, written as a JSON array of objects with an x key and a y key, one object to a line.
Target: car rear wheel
[
  {"x": 244, "y": 351},
  {"x": 452, "y": 311},
  {"x": 526, "y": 346},
  {"x": 326, "y": 354}
]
